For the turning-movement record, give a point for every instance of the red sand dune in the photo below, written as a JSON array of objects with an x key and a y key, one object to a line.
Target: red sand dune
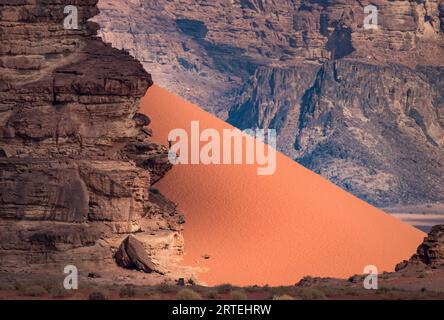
[{"x": 271, "y": 229}]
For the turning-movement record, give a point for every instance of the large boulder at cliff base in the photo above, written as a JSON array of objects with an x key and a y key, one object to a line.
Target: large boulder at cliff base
[{"x": 132, "y": 255}]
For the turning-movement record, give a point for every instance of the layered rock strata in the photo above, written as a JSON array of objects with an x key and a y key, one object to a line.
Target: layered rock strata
[
  {"x": 76, "y": 158},
  {"x": 430, "y": 254}
]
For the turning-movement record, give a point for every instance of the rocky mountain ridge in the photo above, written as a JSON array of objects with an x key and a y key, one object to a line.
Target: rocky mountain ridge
[{"x": 364, "y": 108}]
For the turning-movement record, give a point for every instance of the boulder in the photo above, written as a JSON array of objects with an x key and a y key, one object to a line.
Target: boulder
[{"x": 132, "y": 255}]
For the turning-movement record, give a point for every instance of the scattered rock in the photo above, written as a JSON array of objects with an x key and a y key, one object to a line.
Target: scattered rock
[
  {"x": 141, "y": 120},
  {"x": 94, "y": 275},
  {"x": 402, "y": 265},
  {"x": 181, "y": 282}
]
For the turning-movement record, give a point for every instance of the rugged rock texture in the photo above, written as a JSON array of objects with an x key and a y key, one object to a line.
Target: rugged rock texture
[
  {"x": 429, "y": 254},
  {"x": 132, "y": 255},
  {"x": 76, "y": 160},
  {"x": 364, "y": 108}
]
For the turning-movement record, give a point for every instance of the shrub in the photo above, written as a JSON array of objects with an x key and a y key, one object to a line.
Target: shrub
[
  {"x": 382, "y": 290},
  {"x": 224, "y": 288},
  {"x": 7, "y": 287},
  {"x": 279, "y": 291},
  {"x": 312, "y": 294},
  {"x": 385, "y": 276},
  {"x": 188, "y": 294},
  {"x": 34, "y": 291},
  {"x": 351, "y": 292},
  {"x": 152, "y": 296},
  {"x": 127, "y": 291},
  {"x": 164, "y": 287},
  {"x": 283, "y": 297},
  {"x": 97, "y": 295},
  {"x": 212, "y": 295},
  {"x": 254, "y": 288},
  {"x": 44, "y": 283},
  {"x": 239, "y": 295},
  {"x": 58, "y": 293}
]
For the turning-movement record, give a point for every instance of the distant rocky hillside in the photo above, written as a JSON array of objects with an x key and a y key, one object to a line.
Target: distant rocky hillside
[
  {"x": 76, "y": 160},
  {"x": 364, "y": 108}
]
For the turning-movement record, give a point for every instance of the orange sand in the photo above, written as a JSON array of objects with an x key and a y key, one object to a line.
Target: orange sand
[{"x": 271, "y": 229}]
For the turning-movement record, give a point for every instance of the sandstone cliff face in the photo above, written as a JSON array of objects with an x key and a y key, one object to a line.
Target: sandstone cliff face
[
  {"x": 76, "y": 159},
  {"x": 364, "y": 108}
]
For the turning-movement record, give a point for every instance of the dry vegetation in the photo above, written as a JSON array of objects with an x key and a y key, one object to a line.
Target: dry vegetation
[{"x": 95, "y": 290}]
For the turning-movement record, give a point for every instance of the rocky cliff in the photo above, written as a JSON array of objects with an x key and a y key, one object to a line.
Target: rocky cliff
[
  {"x": 430, "y": 254},
  {"x": 76, "y": 158},
  {"x": 362, "y": 107}
]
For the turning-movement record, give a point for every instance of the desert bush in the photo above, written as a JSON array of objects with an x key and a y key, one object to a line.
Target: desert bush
[
  {"x": 278, "y": 291},
  {"x": 283, "y": 297},
  {"x": 127, "y": 291},
  {"x": 7, "y": 287},
  {"x": 97, "y": 295},
  {"x": 382, "y": 290},
  {"x": 212, "y": 295},
  {"x": 254, "y": 288},
  {"x": 188, "y": 294},
  {"x": 385, "y": 276},
  {"x": 165, "y": 287},
  {"x": 312, "y": 294},
  {"x": 239, "y": 295},
  {"x": 59, "y": 293},
  {"x": 224, "y": 288},
  {"x": 33, "y": 291},
  {"x": 152, "y": 296},
  {"x": 351, "y": 291}
]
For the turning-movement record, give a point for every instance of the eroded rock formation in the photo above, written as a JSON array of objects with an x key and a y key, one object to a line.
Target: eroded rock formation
[
  {"x": 132, "y": 255},
  {"x": 76, "y": 160},
  {"x": 364, "y": 108},
  {"x": 430, "y": 253}
]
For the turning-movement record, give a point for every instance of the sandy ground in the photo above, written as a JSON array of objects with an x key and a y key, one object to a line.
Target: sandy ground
[
  {"x": 271, "y": 229},
  {"x": 427, "y": 284}
]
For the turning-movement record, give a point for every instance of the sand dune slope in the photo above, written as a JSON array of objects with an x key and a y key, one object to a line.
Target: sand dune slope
[{"x": 271, "y": 229}]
